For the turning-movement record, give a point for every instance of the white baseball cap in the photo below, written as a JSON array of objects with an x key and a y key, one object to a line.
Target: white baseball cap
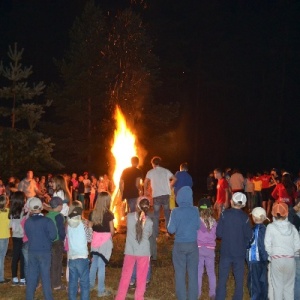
[
  {"x": 239, "y": 198},
  {"x": 259, "y": 213}
]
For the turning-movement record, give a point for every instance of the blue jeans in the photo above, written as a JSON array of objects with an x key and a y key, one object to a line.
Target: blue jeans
[
  {"x": 97, "y": 265},
  {"x": 25, "y": 255},
  {"x": 297, "y": 278},
  {"x": 79, "y": 270},
  {"x": 159, "y": 201},
  {"x": 185, "y": 259},
  {"x": 132, "y": 204},
  {"x": 238, "y": 265},
  {"x": 39, "y": 266},
  {"x": 133, "y": 276},
  {"x": 3, "y": 250}
]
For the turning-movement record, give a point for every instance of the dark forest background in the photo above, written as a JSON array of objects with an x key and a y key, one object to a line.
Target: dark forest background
[{"x": 223, "y": 89}]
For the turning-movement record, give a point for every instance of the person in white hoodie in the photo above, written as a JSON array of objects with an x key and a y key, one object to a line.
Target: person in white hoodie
[
  {"x": 281, "y": 242},
  {"x": 78, "y": 262}
]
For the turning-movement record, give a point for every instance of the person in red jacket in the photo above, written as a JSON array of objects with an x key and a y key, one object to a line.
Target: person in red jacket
[{"x": 285, "y": 191}]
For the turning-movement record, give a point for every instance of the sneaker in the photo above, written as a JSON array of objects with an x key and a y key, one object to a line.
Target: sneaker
[
  {"x": 106, "y": 293},
  {"x": 22, "y": 282},
  {"x": 15, "y": 282},
  {"x": 132, "y": 285}
]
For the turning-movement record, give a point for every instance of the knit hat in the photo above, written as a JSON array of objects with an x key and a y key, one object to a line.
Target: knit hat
[
  {"x": 259, "y": 213},
  {"x": 35, "y": 203},
  {"x": 281, "y": 209},
  {"x": 239, "y": 198},
  {"x": 77, "y": 211},
  {"x": 55, "y": 201}
]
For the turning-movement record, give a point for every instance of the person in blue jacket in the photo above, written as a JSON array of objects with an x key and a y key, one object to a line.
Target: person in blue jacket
[
  {"x": 235, "y": 231},
  {"x": 257, "y": 257},
  {"x": 41, "y": 232},
  {"x": 185, "y": 222}
]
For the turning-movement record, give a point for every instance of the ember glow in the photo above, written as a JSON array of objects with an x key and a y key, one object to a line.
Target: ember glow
[{"x": 123, "y": 149}]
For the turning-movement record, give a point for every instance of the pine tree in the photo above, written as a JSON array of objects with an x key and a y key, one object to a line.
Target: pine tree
[{"x": 21, "y": 148}]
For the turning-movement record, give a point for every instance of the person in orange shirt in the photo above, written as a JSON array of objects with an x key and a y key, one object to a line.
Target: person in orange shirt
[{"x": 257, "y": 190}]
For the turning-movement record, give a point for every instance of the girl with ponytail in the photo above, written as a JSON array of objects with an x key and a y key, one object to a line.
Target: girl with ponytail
[{"x": 137, "y": 250}]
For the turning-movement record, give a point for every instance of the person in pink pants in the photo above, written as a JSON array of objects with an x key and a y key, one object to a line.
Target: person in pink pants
[{"x": 137, "y": 250}]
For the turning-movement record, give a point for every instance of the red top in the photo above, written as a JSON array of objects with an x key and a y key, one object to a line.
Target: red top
[
  {"x": 221, "y": 190},
  {"x": 265, "y": 181},
  {"x": 281, "y": 195}
]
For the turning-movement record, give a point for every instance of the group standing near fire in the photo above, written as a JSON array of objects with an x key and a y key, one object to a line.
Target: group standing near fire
[{"x": 271, "y": 246}]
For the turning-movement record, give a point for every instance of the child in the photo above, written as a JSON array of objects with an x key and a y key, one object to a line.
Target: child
[
  {"x": 235, "y": 231},
  {"x": 41, "y": 232},
  {"x": 4, "y": 235},
  {"x": 185, "y": 222},
  {"x": 282, "y": 242},
  {"x": 78, "y": 262},
  {"x": 257, "y": 258},
  {"x": 56, "y": 205},
  {"x": 16, "y": 214},
  {"x": 137, "y": 250},
  {"x": 101, "y": 221},
  {"x": 206, "y": 239}
]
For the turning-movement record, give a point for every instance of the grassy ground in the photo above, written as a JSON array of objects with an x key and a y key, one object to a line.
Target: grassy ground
[{"x": 162, "y": 284}]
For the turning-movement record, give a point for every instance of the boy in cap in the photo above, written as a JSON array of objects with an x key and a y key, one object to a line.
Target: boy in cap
[
  {"x": 257, "y": 258},
  {"x": 40, "y": 232},
  {"x": 282, "y": 242},
  {"x": 58, "y": 243},
  {"x": 235, "y": 231},
  {"x": 78, "y": 237}
]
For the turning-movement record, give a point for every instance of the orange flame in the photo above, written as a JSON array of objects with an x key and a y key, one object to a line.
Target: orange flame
[{"x": 123, "y": 149}]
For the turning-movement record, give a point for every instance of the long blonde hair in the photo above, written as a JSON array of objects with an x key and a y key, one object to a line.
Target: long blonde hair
[
  {"x": 102, "y": 205},
  {"x": 61, "y": 185}
]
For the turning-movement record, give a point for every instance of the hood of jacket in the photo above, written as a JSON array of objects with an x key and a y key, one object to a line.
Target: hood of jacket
[
  {"x": 185, "y": 196},
  {"x": 74, "y": 222},
  {"x": 283, "y": 226}
]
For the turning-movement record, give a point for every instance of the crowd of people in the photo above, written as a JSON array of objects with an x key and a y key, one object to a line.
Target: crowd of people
[{"x": 46, "y": 218}]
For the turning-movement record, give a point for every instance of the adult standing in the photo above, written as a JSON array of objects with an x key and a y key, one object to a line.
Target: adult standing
[
  {"x": 130, "y": 183},
  {"x": 183, "y": 178},
  {"x": 236, "y": 182},
  {"x": 28, "y": 186},
  {"x": 160, "y": 180},
  {"x": 222, "y": 200},
  {"x": 87, "y": 190}
]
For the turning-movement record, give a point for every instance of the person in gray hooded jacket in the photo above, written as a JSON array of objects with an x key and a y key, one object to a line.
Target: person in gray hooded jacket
[{"x": 185, "y": 222}]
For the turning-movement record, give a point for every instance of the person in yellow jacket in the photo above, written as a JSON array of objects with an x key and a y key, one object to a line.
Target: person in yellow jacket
[{"x": 4, "y": 235}]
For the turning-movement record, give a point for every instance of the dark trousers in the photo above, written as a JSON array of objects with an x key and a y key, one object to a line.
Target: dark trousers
[
  {"x": 56, "y": 263},
  {"x": 238, "y": 265},
  {"x": 87, "y": 200},
  {"x": 258, "y": 280},
  {"x": 17, "y": 256},
  {"x": 38, "y": 266}
]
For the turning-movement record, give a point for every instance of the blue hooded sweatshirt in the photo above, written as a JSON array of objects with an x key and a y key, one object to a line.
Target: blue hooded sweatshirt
[{"x": 184, "y": 220}]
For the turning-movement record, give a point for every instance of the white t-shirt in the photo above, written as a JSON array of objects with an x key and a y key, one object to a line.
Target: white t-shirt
[{"x": 160, "y": 181}]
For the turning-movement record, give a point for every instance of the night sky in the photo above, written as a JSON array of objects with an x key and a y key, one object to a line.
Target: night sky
[{"x": 234, "y": 67}]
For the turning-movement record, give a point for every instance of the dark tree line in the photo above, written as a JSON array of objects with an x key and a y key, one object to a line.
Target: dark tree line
[{"x": 231, "y": 67}]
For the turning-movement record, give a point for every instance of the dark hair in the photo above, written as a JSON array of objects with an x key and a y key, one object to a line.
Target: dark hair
[
  {"x": 156, "y": 160},
  {"x": 288, "y": 184},
  {"x": 143, "y": 206},
  {"x": 17, "y": 202},
  {"x": 135, "y": 160},
  {"x": 3, "y": 201}
]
